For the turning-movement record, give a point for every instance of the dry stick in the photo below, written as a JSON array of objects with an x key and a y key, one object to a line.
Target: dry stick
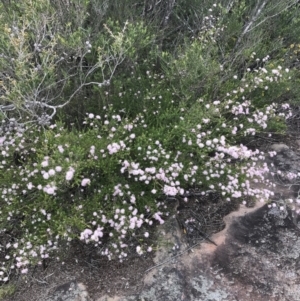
[{"x": 173, "y": 257}]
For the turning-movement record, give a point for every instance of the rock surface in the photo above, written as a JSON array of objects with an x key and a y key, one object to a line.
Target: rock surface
[
  {"x": 70, "y": 291},
  {"x": 257, "y": 259}
]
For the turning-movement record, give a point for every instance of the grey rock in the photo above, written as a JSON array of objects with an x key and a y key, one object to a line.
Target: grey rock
[
  {"x": 279, "y": 147},
  {"x": 71, "y": 291},
  {"x": 257, "y": 259}
]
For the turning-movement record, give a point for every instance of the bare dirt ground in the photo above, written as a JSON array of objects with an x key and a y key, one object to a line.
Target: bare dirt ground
[{"x": 99, "y": 275}]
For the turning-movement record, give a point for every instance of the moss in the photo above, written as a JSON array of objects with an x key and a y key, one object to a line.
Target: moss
[{"x": 6, "y": 290}]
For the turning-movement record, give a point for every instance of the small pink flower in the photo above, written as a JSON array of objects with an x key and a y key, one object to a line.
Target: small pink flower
[
  {"x": 30, "y": 185},
  {"x": 45, "y": 163},
  {"x": 85, "y": 234},
  {"x": 70, "y": 174},
  {"x": 58, "y": 168},
  {"x": 139, "y": 250},
  {"x": 46, "y": 176},
  {"x": 2, "y": 139},
  {"x": 85, "y": 182},
  {"x": 51, "y": 172},
  {"x": 60, "y": 149}
]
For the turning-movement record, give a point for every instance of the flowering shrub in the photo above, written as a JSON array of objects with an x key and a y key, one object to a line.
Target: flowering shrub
[
  {"x": 153, "y": 133},
  {"x": 106, "y": 179}
]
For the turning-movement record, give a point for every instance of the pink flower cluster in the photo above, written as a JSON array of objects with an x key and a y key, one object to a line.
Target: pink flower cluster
[
  {"x": 88, "y": 235},
  {"x": 115, "y": 147}
]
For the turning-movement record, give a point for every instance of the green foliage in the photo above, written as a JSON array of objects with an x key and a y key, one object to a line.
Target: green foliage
[{"x": 6, "y": 290}]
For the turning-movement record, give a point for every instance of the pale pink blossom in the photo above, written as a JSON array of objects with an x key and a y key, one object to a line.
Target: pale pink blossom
[
  {"x": 86, "y": 234},
  {"x": 45, "y": 163},
  {"x": 60, "y": 149},
  {"x": 51, "y": 172},
  {"x": 58, "y": 168},
  {"x": 70, "y": 174},
  {"x": 158, "y": 218},
  {"x": 46, "y": 176},
  {"x": 139, "y": 250},
  {"x": 170, "y": 190},
  {"x": 85, "y": 182},
  {"x": 2, "y": 139},
  {"x": 49, "y": 189}
]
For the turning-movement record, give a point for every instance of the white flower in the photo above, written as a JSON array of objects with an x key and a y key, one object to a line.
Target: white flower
[
  {"x": 139, "y": 250},
  {"x": 70, "y": 174},
  {"x": 30, "y": 186},
  {"x": 51, "y": 172},
  {"x": 46, "y": 176},
  {"x": 49, "y": 189},
  {"x": 2, "y": 139},
  {"x": 60, "y": 149},
  {"x": 169, "y": 190},
  {"x": 85, "y": 182},
  {"x": 264, "y": 70},
  {"x": 45, "y": 163},
  {"x": 128, "y": 127},
  {"x": 58, "y": 168}
]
